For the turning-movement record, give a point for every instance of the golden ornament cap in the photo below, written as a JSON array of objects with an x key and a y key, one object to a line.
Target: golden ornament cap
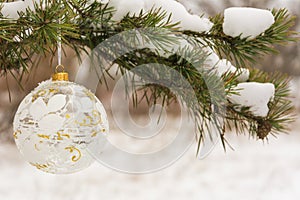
[{"x": 60, "y": 75}]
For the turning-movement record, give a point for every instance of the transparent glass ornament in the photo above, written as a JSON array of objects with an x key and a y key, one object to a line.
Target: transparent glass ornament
[{"x": 58, "y": 124}]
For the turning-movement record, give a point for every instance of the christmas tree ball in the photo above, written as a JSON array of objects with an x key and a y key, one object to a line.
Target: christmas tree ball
[{"x": 58, "y": 124}]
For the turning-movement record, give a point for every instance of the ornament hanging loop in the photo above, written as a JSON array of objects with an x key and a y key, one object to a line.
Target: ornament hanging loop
[
  {"x": 60, "y": 74},
  {"x": 59, "y": 68}
]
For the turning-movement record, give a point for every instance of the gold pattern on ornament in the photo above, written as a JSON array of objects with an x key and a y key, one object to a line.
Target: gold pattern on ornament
[
  {"x": 94, "y": 133},
  {"x": 71, "y": 149},
  {"x": 44, "y": 136},
  {"x": 82, "y": 123},
  {"x": 90, "y": 121},
  {"x": 38, "y": 94},
  {"x": 68, "y": 116},
  {"x": 60, "y": 136},
  {"x": 85, "y": 122},
  {"x": 40, "y": 166},
  {"x": 54, "y": 91},
  {"x": 16, "y": 133},
  {"x": 97, "y": 115},
  {"x": 36, "y": 147},
  {"x": 28, "y": 121},
  {"x": 90, "y": 95}
]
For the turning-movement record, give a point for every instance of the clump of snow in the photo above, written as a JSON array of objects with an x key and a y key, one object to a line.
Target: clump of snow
[
  {"x": 103, "y": 1},
  {"x": 243, "y": 74},
  {"x": 247, "y": 22},
  {"x": 254, "y": 95},
  {"x": 18, "y": 38},
  {"x": 177, "y": 11},
  {"x": 122, "y": 7},
  {"x": 180, "y": 44},
  {"x": 221, "y": 66},
  {"x": 180, "y": 14},
  {"x": 11, "y": 9},
  {"x": 225, "y": 66},
  {"x": 212, "y": 58},
  {"x": 196, "y": 23}
]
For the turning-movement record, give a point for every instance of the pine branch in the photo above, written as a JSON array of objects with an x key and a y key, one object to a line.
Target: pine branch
[
  {"x": 281, "y": 112},
  {"x": 245, "y": 52},
  {"x": 86, "y": 24}
]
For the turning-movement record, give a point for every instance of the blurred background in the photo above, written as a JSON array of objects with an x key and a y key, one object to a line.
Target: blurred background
[{"x": 253, "y": 170}]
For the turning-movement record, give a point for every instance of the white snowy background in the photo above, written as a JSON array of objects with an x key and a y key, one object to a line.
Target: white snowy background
[{"x": 255, "y": 170}]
